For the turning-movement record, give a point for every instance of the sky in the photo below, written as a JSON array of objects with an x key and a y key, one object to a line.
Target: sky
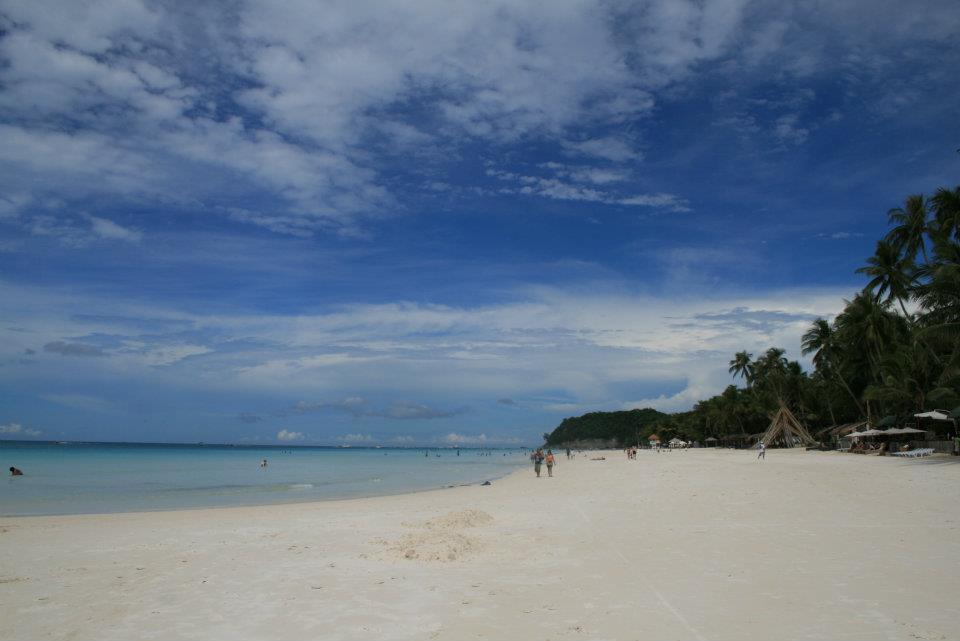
[{"x": 437, "y": 223}]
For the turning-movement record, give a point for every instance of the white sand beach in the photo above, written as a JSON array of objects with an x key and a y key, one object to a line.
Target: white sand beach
[{"x": 701, "y": 544}]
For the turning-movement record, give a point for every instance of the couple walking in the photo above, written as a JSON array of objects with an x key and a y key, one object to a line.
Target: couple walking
[{"x": 539, "y": 458}]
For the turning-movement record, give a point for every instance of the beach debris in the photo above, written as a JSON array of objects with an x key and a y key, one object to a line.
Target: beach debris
[{"x": 486, "y": 483}]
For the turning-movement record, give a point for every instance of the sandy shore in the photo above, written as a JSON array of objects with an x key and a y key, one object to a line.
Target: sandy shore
[{"x": 687, "y": 545}]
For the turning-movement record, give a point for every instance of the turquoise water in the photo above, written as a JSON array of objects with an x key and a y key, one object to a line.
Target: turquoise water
[{"x": 79, "y": 478}]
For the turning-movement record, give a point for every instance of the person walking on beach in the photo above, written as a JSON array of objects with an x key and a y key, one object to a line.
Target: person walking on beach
[
  {"x": 550, "y": 461},
  {"x": 537, "y": 458},
  {"x": 763, "y": 452}
]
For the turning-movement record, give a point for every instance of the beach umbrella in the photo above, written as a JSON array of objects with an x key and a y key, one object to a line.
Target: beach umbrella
[
  {"x": 936, "y": 415},
  {"x": 866, "y": 433},
  {"x": 903, "y": 430}
]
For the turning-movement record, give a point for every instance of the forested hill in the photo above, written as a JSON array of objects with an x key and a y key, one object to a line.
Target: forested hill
[{"x": 622, "y": 427}]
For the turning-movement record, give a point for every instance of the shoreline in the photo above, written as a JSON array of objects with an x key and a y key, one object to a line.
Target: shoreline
[
  {"x": 700, "y": 544},
  {"x": 98, "y": 480},
  {"x": 333, "y": 499},
  {"x": 291, "y": 504}
]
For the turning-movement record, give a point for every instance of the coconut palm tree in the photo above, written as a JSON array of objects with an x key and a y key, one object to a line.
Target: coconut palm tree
[
  {"x": 866, "y": 326},
  {"x": 909, "y": 375},
  {"x": 946, "y": 211},
  {"x": 892, "y": 274},
  {"x": 742, "y": 366},
  {"x": 911, "y": 225},
  {"x": 770, "y": 373},
  {"x": 938, "y": 282},
  {"x": 821, "y": 341}
]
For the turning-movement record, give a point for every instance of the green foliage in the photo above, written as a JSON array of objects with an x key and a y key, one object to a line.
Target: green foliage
[{"x": 622, "y": 427}]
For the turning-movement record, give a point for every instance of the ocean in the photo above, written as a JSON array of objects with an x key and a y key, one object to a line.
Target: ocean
[{"x": 84, "y": 478}]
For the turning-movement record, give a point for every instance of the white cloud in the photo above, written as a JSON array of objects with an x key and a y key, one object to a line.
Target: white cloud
[
  {"x": 463, "y": 439},
  {"x": 287, "y": 435},
  {"x": 569, "y": 184},
  {"x": 15, "y": 429},
  {"x": 143, "y": 116},
  {"x": 170, "y": 353},
  {"x": 111, "y": 100},
  {"x": 356, "y": 438},
  {"x": 78, "y": 401},
  {"x": 664, "y": 201},
  {"x": 112, "y": 231},
  {"x": 581, "y": 347},
  {"x": 613, "y": 149},
  {"x": 788, "y": 131}
]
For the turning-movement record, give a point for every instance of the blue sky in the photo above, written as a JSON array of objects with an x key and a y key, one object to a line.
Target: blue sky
[{"x": 438, "y": 223}]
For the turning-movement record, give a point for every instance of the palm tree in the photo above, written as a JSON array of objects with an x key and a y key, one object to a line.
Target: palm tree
[
  {"x": 892, "y": 274},
  {"x": 866, "y": 326},
  {"x": 911, "y": 225},
  {"x": 909, "y": 374},
  {"x": 946, "y": 211},
  {"x": 938, "y": 286},
  {"x": 821, "y": 341},
  {"x": 742, "y": 366},
  {"x": 770, "y": 373},
  {"x": 938, "y": 292}
]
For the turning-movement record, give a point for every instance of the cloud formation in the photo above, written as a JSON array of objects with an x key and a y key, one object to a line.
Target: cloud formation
[
  {"x": 360, "y": 407},
  {"x": 17, "y": 430},
  {"x": 103, "y": 101},
  {"x": 573, "y": 347},
  {"x": 288, "y": 436},
  {"x": 72, "y": 349}
]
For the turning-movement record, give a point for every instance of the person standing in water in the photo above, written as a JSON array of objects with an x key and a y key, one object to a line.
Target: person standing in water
[
  {"x": 15, "y": 472},
  {"x": 763, "y": 451},
  {"x": 263, "y": 463},
  {"x": 550, "y": 461}
]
